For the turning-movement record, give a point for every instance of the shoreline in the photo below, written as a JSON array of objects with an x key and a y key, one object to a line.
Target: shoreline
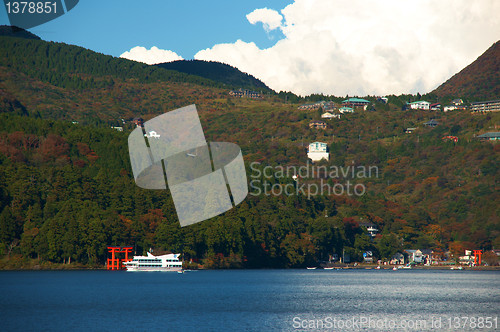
[
  {"x": 19, "y": 264},
  {"x": 81, "y": 267}
]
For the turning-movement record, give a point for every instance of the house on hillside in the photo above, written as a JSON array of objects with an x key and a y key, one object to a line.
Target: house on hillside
[
  {"x": 486, "y": 106},
  {"x": 435, "y": 107},
  {"x": 317, "y": 151},
  {"x": 328, "y": 106},
  {"x": 328, "y": 115},
  {"x": 420, "y": 105},
  {"x": 457, "y": 102},
  {"x": 449, "y": 108},
  {"x": 245, "y": 93},
  {"x": 317, "y": 124},
  {"x": 117, "y": 128},
  {"x": 345, "y": 109},
  {"x": 431, "y": 123},
  {"x": 491, "y": 136},
  {"x": 371, "y": 228},
  {"x": 312, "y": 106},
  {"x": 153, "y": 134},
  {"x": 410, "y": 130},
  {"x": 356, "y": 102}
]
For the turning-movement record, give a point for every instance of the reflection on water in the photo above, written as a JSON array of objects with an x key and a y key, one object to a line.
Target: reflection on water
[{"x": 251, "y": 300}]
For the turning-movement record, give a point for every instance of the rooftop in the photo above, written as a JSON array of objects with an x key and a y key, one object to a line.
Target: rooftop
[
  {"x": 489, "y": 135},
  {"x": 431, "y": 122},
  {"x": 356, "y": 100},
  {"x": 486, "y": 102}
]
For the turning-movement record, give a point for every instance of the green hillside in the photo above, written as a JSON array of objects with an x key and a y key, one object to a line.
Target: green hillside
[{"x": 67, "y": 192}]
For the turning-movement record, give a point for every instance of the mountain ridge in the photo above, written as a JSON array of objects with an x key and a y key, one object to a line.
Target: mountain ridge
[
  {"x": 216, "y": 71},
  {"x": 13, "y": 31},
  {"x": 480, "y": 80}
]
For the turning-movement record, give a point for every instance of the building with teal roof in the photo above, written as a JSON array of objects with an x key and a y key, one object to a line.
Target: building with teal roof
[{"x": 356, "y": 101}]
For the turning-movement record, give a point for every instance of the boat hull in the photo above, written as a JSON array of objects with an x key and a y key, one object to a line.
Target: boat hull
[{"x": 153, "y": 269}]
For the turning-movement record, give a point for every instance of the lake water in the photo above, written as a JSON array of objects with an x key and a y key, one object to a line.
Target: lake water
[{"x": 254, "y": 300}]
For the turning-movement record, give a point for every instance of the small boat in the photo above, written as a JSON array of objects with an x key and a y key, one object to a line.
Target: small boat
[
  {"x": 312, "y": 268},
  {"x": 328, "y": 268},
  {"x": 394, "y": 268},
  {"x": 377, "y": 268}
]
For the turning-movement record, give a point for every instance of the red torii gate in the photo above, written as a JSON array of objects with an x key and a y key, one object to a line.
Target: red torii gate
[
  {"x": 477, "y": 256},
  {"x": 115, "y": 263}
]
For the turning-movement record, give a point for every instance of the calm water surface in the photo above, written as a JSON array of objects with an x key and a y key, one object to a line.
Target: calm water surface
[{"x": 258, "y": 300}]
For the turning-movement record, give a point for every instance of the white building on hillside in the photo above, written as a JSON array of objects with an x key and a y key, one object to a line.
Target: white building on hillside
[
  {"x": 345, "y": 109},
  {"x": 329, "y": 115},
  {"x": 318, "y": 151},
  {"x": 449, "y": 108},
  {"x": 153, "y": 134},
  {"x": 420, "y": 105}
]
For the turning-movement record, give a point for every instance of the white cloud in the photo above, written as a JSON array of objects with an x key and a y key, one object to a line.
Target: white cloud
[
  {"x": 270, "y": 18},
  {"x": 365, "y": 46},
  {"x": 151, "y": 56}
]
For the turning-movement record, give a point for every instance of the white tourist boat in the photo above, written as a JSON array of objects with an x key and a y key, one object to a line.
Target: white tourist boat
[{"x": 169, "y": 262}]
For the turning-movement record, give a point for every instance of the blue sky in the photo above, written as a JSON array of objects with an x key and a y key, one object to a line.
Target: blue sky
[
  {"x": 339, "y": 47},
  {"x": 185, "y": 27}
]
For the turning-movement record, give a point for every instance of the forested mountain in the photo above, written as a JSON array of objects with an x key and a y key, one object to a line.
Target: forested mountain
[
  {"x": 69, "y": 82},
  {"x": 67, "y": 191},
  {"x": 478, "y": 81},
  {"x": 216, "y": 71}
]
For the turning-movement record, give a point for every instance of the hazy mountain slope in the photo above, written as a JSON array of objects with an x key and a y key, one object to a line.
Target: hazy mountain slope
[{"x": 478, "y": 81}]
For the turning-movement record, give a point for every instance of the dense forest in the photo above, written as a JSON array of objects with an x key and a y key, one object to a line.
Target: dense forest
[{"x": 67, "y": 192}]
